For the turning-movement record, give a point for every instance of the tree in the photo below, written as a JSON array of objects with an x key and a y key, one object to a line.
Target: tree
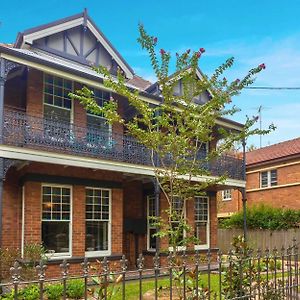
[{"x": 175, "y": 131}]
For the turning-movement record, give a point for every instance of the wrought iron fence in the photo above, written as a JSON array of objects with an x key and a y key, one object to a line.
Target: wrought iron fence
[
  {"x": 268, "y": 275},
  {"x": 23, "y": 130}
]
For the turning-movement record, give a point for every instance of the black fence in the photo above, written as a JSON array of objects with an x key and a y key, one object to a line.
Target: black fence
[{"x": 240, "y": 274}]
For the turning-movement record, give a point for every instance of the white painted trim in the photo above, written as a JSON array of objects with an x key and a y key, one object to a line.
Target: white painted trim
[
  {"x": 274, "y": 166},
  {"x": 109, "y": 233},
  {"x": 93, "y": 83},
  {"x": 65, "y": 254},
  {"x": 109, "y": 49},
  {"x": 205, "y": 246},
  {"x": 273, "y": 187},
  {"x": 223, "y": 195},
  {"x": 92, "y": 163},
  {"x": 29, "y": 38}
]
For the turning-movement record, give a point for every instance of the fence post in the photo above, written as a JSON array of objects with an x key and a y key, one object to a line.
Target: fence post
[
  {"x": 64, "y": 271},
  {"x": 140, "y": 264},
  {"x": 15, "y": 271},
  {"x": 123, "y": 263},
  {"x": 156, "y": 264},
  {"x": 85, "y": 267},
  {"x": 41, "y": 268}
]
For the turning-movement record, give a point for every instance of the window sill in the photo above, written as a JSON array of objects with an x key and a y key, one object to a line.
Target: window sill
[
  {"x": 229, "y": 199},
  {"x": 97, "y": 253},
  {"x": 201, "y": 247}
]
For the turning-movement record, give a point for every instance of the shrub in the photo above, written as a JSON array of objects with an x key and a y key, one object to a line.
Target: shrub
[
  {"x": 75, "y": 288},
  {"x": 54, "y": 291},
  {"x": 265, "y": 217},
  {"x": 30, "y": 292}
]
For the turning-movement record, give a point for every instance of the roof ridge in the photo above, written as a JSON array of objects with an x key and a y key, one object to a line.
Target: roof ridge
[{"x": 276, "y": 144}]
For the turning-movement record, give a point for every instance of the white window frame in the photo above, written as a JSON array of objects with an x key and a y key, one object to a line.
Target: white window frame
[
  {"x": 72, "y": 102},
  {"x": 148, "y": 222},
  {"x": 227, "y": 195},
  {"x": 269, "y": 179},
  {"x": 204, "y": 246},
  {"x": 65, "y": 254},
  {"x": 180, "y": 248},
  {"x": 108, "y": 251}
]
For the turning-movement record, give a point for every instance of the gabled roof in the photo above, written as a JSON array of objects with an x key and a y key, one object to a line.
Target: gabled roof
[
  {"x": 28, "y": 36},
  {"x": 283, "y": 150}
]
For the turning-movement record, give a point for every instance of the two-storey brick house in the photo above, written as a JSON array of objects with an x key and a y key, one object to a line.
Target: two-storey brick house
[
  {"x": 69, "y": 180},
  {"x": 272, "y": 178}
]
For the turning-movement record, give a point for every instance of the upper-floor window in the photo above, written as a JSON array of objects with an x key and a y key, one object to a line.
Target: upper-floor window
[
  {"x": 227, "y": 195},
  {"x": 268, "y": 178},
  {"x": 57, "y": 103},
  {"x": 99, "y": 129}
]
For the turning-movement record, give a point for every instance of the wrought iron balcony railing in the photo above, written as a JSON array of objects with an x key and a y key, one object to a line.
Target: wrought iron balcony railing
[{"x": 23, "y": 130}]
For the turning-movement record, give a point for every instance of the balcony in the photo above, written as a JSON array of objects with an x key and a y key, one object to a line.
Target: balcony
[{"x": 23, "y": 130}]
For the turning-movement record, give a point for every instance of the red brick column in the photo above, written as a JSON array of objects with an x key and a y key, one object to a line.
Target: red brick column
[
  {"x": 117, "y": 221},
  {"x": 78, "y": 223},
  {"x": 32, "y": 233},
  {"x": 34, "y": 105}
]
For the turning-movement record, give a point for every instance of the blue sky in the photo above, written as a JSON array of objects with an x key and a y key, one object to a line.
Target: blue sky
[{"x": 253, "y": 32}]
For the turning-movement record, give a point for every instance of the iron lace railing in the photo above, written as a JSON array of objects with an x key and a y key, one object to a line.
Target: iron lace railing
[
  {"x": 262, "y": 275},
  {"x": 23, "y": 130}
]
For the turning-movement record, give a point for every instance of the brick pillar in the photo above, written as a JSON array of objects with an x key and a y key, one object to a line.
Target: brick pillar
[
  {"x": 33, "y": 206},
  {"x": 34, "y": 105},
  {"x": 117, "y": 221},
  {"x": 78, "y": 223},
  {"x": 11, "y": 216}
]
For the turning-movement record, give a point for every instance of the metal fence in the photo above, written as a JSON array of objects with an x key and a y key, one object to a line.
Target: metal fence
[
  {"x": 23, "y": 130},
  {"x": 240, "y": 274}
]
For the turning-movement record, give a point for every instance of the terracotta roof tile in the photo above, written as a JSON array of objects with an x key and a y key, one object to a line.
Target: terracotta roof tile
[
  {"x": 139, "y": 82},
  {"x": 276, "y": 151}
]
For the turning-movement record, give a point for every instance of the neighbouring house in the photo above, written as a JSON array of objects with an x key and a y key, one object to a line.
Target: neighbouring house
[
  {"x": 80, "y": 187},
  {"x": 272, "y": 178}
]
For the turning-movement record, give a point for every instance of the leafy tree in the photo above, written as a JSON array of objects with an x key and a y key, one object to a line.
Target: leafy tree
[{"x": 175, "y": 131}]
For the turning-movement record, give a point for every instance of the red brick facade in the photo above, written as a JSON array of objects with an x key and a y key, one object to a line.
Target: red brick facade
[{"x": 285, "y": 194}]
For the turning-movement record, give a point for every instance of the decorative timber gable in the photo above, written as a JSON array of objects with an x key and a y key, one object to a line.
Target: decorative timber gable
[{"x": 75, "y": 38}]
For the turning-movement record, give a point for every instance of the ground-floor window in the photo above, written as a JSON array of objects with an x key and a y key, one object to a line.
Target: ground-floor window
[
  {"x": 97, "y": 209},
  {"x": 56, "y": 219},
  {"x": 178, "y": 213},
  {"x": 151, "y": 228},
  {"x": 202, "y": 221}
]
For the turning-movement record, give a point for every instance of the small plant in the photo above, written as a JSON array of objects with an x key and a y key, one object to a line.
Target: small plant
[
  {"x": 75, "y": 288},
  {"x": 30, "y": 293},
  {"x": 54, "y": 291}
]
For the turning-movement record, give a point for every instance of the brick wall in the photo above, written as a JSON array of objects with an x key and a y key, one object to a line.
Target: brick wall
[
  {"x": 229, "y": 206},
  {"x": 12, "y": 200}
]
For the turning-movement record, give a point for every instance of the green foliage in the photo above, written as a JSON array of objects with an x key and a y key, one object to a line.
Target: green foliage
[
  {"x": 175, "y": 130},
  {"x": 265, "y": 217},
  {"x": 54, "y": 291},
  {"x": 30, "y": 292},
  {"x": 75, "y": 288},
  {"x": 33, "y": 253}
]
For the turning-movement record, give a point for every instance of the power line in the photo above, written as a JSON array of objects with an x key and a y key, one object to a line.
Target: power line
[{"x": 272, "y": 88}]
